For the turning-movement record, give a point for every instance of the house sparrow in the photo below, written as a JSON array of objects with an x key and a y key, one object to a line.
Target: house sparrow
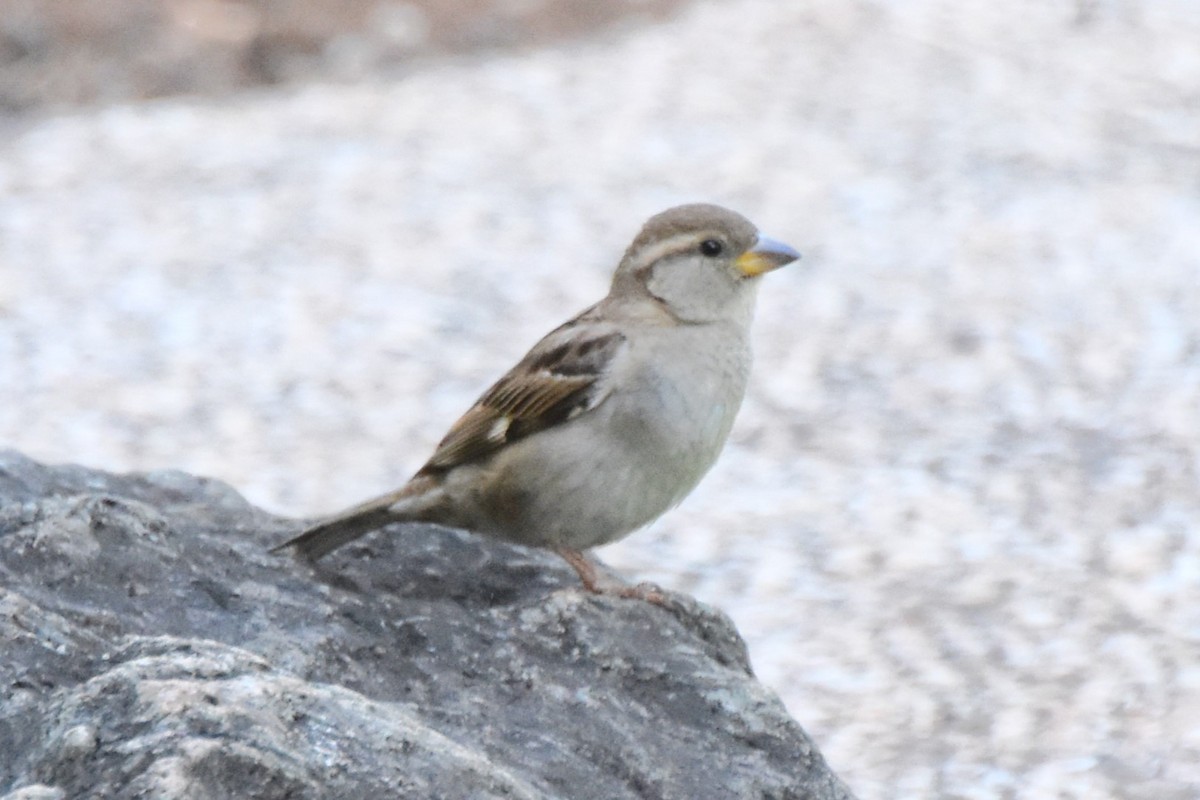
[{"x": 609, "y": 420}]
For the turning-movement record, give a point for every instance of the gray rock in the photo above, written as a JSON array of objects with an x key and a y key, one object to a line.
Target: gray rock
[{"x": 153, "y": 648}]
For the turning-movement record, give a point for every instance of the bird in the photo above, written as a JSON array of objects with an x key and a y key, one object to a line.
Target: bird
[{"x": 611, "y": 419}]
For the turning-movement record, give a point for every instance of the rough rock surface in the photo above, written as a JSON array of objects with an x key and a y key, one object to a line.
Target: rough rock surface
[{"x": 153, "y": 648}]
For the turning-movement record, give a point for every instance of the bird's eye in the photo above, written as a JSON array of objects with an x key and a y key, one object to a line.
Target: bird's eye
[{"x": 711, "y": 247}]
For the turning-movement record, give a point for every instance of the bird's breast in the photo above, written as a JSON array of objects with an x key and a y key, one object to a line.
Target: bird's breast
[{"x": 679, "y": 408}]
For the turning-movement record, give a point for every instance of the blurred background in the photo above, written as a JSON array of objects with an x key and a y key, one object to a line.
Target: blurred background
[{"x": 286, "y": 243}]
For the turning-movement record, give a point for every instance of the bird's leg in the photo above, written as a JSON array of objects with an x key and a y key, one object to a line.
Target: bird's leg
[
  {"x": 586, "y": 571},
  {"x": 584, "y": 568}
]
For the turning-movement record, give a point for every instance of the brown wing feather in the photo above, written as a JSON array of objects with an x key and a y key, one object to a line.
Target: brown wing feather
[{"x": 556, "y": 381}]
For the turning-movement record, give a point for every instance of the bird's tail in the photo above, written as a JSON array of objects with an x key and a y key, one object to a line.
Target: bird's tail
[{"x": 330, "y": 533}]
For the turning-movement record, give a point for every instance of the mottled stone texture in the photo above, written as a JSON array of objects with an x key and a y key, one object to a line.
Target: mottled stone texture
[{"x": 153, "y": 648}]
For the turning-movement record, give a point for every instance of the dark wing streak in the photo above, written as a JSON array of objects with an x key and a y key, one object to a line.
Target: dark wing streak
[{"x": 555, "y": 382}]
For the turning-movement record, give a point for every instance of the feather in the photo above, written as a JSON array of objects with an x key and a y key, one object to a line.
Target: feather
[{"x": 559, "y": 379}]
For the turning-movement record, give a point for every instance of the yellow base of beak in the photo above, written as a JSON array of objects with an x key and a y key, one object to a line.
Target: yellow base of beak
[{"x": 766, "y": 255}]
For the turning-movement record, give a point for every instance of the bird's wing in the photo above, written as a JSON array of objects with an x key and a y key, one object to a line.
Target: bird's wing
[{"x": 560, "y": 378}]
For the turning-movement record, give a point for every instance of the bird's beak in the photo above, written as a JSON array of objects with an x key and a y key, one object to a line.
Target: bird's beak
[{"x": 766, "y": 255}]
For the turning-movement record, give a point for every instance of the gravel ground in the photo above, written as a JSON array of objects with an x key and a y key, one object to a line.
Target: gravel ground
[{"x": 958, "y": 518}]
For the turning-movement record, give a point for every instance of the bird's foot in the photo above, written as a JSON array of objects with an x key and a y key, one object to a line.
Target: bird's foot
[{"x": 591, "y": 580}]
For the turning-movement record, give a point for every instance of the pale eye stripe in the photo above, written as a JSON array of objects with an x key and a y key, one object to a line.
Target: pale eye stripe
[{"x": 679, "y": 243}]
